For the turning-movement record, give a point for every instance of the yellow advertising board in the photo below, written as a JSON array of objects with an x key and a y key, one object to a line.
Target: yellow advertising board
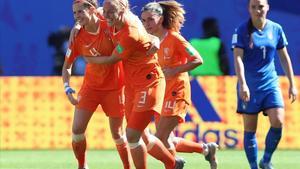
[{"x": 35, "y": 114}]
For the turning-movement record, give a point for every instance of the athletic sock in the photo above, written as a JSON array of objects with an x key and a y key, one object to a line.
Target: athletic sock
[
  {"x": 271, "y": 142},
  {"x": 250, "y": 146}
]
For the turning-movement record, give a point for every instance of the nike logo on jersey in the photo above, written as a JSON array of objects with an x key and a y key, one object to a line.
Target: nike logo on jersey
[{"x": 88, "y": 46}]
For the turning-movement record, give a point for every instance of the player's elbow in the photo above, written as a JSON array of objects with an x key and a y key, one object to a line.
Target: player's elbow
[{"x": 198, "y": 61}]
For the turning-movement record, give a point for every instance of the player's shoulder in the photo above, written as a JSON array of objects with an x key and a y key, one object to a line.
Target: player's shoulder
[
  {"x": 80, "y": 36},
  {"x": 175, "y": 36},
  {"x": 135, "y": 28},
  {"x": 274, "y": 25},
  {"x": 243, "y": 27},
  {"x": 133, "y": 21}
]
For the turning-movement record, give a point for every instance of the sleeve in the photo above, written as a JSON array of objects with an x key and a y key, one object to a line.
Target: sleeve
[
  {"x": 124, "y": 47},
  {"x": 185, "y": 49},
  {"x": 237, "y": 39},
  {"x": 282, "y": 41},
  {"x": 72, "y": 52}
]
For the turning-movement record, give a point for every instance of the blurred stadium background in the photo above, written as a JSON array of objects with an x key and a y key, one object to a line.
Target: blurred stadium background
[{"x": 35, "y": 115}]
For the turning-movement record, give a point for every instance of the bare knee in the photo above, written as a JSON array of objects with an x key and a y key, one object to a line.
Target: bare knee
[
  {"x": 116, "y": 127},
  {"x": 250, "y": 122},
  {"x": 78, "y": 130},
  {"x": 162, "y": 136},
  {"x": 80, "y": 121},
  {"x": 133, "y": 136},
  {"x": 276, "y": 117},
  {"x": 277, "y": 123},
  {"x": 116, "y": 135}
]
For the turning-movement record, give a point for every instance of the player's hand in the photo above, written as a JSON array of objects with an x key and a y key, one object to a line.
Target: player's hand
[
  {"x": 72, "y": 99},
  {"x": 244, "y": 93},
  {"x": 154, "y": 47},
  {"x": 170, "y": 72},
  {"x": 69, "y": 92},
  {"x": 293, "y": 94},
  {"x": 74, "y": 32}
]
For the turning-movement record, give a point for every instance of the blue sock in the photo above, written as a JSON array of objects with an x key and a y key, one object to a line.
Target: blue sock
[
  {"x": 271, "y": 142},
  {"x": 250, "y": 146}
]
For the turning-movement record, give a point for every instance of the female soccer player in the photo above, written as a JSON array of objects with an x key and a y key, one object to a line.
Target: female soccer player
[
  {"x": 164, "y": 19},
  {"x": 103, "y": 84},
  {"x": 144, "y": 81},
  {"x": 255, "y": 43}
]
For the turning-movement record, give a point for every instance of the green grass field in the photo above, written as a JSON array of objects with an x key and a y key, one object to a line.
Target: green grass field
[{"x": 108, "y": 159}]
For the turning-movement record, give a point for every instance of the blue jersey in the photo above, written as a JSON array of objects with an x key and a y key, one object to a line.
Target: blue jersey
[{"x": 259, "y": 50}]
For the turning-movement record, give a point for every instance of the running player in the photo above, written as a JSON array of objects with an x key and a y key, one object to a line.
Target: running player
[{"x": 164, "y": 19}]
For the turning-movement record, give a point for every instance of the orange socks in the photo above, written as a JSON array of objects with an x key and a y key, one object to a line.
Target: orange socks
[
  {"x": 187, "y": 146},
  {"x": 139, "y": 155},
  {"x": 159, "y": 151},
  {"x": 172, "y": 151},
  {"x": 79, "y": 149},
  {"x": 124, "y": 154}
]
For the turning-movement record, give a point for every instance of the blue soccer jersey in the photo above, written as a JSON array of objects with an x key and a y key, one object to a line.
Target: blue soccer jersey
[
  {"x": 260, "y": 47},
  {"x": 259, "y": 50}
]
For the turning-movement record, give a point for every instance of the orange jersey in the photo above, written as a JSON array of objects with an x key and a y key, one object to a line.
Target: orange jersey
[
  {"x": 97, "y": 76},
  {"x": 174, "y": 51},
  {"x": 132, "y": 43}
]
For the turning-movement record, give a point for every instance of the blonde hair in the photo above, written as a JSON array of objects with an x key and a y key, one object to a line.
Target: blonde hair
[
  {"x": 172, "y": 12},
  {"x": 119, "y": 4}
]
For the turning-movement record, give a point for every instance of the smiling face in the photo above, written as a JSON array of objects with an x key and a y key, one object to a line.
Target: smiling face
[
  {"x": 258, "y": 9},
  {"x": 151, "y": 21},
  {"x": 112, "y": 12},
  {"x": 81, "y": 13}
]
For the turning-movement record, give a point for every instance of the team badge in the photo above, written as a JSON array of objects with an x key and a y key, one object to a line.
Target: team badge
[
  {"x": 270, "y": 36},
  {"x": 120, "y": 49}
]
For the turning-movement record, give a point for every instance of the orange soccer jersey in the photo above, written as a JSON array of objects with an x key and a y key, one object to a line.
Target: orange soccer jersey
[
  {"x": 174, "y": 51},
  {"x": 97, "y": 76},
  {"x": 132, "y": 43},
  {"x": 144, "y": 82}
]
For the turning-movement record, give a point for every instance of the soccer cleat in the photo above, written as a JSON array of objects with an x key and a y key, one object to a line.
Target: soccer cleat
[
  {"x": 263, "y": 165},
  {"x": 179, "y": 163},
  {"x": 211, "y": 156}
]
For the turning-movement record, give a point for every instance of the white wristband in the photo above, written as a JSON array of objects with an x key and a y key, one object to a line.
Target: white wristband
[{"x": 67, "y": 88}]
